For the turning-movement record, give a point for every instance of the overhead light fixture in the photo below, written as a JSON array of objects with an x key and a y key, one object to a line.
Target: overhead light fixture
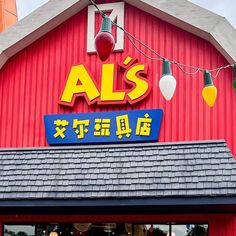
[
  {"x": 167, "y": 83},
  {"x": 54, "y": 231},
  {"x": 82, "y": 227},
  {"x": 172, "y": 234},
  {"x": 109, "y": 227},
  {"x": 104, "y": 41},
  {"x": 151, "y": 229},
  {"x": 209, "y": 92}
]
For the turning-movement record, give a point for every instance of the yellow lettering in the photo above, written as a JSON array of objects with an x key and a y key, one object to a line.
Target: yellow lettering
[
  {"x": 141, "y": 85},
  {"x": 79, "y": 82},
  {"x": 107, "y": 85}
]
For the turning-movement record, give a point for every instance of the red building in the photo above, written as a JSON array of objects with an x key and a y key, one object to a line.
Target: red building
[{"x": 164, "y": 168}]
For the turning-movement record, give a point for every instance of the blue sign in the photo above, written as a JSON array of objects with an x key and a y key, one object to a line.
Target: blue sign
[{"x": 103, "y": 127}]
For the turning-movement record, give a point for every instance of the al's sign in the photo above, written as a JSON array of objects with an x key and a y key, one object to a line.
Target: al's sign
[
  {"x": 81, "y": 83},
  {"x": 103, "y": 127}
]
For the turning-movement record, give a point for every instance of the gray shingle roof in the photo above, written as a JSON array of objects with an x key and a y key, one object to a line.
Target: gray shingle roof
[{"x": 152, "y": 170}]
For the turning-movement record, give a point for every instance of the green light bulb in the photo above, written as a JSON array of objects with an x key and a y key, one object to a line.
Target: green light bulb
[{"x": 234, "y": 83}]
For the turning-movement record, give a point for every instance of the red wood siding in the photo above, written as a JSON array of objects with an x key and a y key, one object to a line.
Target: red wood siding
[
  {"x": 219, "y": 225},
  {"x": 223, "y": 227},
  {"x": 32, "y": 81}
]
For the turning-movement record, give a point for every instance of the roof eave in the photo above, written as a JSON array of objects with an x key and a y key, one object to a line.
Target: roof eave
[
  {"x": 174, "y": 205},
  {"x": 37, "y": 24},
  {"x": 196, "y": 20}
]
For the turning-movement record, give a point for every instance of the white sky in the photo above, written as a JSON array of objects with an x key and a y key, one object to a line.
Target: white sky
[
  {"x": 25, "y": 7},
  {"x": 226, "y": 8}
]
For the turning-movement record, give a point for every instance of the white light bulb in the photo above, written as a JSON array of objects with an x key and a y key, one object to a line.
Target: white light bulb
[
  {"x": 167, "y": 85},
  {"x": 172, "y": 234}
]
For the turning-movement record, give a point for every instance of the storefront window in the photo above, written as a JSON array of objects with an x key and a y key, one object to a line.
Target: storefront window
[
  {"x": 200, "y": 230},
  {"x": 107, "y": 229},
  {"x": 19, "y": 230},
  {"x": 157, "y": 229}
]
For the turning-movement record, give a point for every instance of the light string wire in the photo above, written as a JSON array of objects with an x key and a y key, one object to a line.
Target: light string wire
[{"x": 159, "y": 57}]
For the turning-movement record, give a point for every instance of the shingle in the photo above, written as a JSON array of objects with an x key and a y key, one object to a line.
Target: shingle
[{"x": 153, "y": 170}]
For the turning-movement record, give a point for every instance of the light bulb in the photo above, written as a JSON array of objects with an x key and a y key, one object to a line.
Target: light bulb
[
  {"x": 172, "y": 234},
  {"x": 234, "y": 83},
  {"x": 209, "y": 92},
  {"x": 104, "y": 40},
  {"x": 167, "y": 83},
  {"x": 53, "y": 233}
]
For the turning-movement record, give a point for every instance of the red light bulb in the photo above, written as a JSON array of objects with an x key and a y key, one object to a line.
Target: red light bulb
[
  {"x": 104, "y": 40},
  {"x": 104, "y": 44}
]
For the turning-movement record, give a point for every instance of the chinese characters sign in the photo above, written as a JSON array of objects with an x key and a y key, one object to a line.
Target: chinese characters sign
[{"x": 103, "y": 127}]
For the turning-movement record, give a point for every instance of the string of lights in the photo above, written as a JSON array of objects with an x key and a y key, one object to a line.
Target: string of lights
[
  {"x": 159, "y": 57},
  {"x": 167, "y": 82}
]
